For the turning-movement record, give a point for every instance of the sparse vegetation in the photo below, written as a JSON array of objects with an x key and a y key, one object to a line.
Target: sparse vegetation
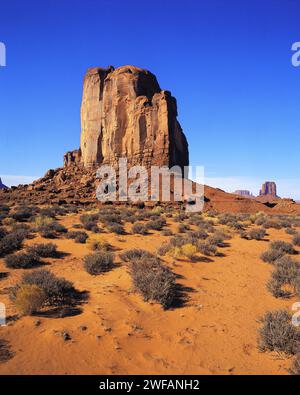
[
  {"x": 278, "y": 334},
  {"x": 296, "y": 239},
  {"x": 58, "y": 290},
  {"x": 11, "y": 243},
  {"x": 78, "y": 236},
  {"x": 134, "y": 254},
  {"x": 98, "y": 262},
  {"x": 139, "y": 228},
  {"x": 154, "y": 281},
  {"x": 47, "y": 250},
  {"x": 21, "y": 261},
  {"x": 286, "y": 274}
]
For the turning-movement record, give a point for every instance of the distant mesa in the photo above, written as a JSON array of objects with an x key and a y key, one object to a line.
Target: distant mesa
[
  {"x": 244, "y": 193},
  {"x": 2, "y": 186}
]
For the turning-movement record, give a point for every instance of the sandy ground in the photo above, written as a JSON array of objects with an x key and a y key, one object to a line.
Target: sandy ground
[{"x": 214, "y": 333}]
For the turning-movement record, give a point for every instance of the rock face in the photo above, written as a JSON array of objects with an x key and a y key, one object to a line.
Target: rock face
[
  {"x": 2, "y": 186},
  {"x": 269, "y": 188},
  {"x": 124, "y": 113}
]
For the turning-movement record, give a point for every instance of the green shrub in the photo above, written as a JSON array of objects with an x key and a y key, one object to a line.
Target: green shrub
[{"x": 98, "y": 262}]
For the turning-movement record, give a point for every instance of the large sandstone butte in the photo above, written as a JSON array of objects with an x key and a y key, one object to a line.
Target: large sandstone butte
[
  {"x": 124, "y": 113},
  {"x": 269, "y": 188}
]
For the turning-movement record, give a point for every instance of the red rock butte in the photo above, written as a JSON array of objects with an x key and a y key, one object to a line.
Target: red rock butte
[{"x": 124, "y": 113}]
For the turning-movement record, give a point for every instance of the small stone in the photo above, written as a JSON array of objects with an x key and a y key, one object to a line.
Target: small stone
[{"x": 37, "y": 323}]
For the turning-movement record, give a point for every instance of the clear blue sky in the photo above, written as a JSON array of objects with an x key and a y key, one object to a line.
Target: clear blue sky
[{"x": 227, "y": 62}]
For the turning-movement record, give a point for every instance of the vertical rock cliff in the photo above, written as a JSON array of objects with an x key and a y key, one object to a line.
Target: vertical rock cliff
[{"x": 124, "y": 113}]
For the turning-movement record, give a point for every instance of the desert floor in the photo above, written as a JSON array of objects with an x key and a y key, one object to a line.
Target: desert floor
[{"x": 116, "y": 332}]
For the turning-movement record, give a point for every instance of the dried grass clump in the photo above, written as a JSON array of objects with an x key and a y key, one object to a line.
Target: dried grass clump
[{"x": 29, "y": 299}]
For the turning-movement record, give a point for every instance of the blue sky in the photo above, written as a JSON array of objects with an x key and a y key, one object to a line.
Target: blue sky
[{"x": 228, "y": 63}]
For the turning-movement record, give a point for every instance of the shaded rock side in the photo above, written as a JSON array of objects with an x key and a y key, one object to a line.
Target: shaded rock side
[
  {"x": 2, "y": 186},
  {"x": 124, "y": 113}
]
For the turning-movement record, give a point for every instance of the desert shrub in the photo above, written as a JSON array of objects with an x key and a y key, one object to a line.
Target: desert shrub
[
  {"x": 278, "y": 334},
  {"x": 22, "y": 229},
  {"x": 135, "y": 253},
  {"x": 89, "y": 221},
  {"x": 167, "y": 232},
  {"x": 254, "y": 234},
  {"x": 295, "y": 369},
  {"x": 217, "y": 239},
  {"x": 175, "y": 252},
  {"x": 296, "y": 240},
  {"x": 270, "y": 256},
  {"x": 49, "y": 228},
  {"x": 157, "y": 210},
  {"x": 154, "y": 281},
  {"x": 47, "y": 250},
  {"x": 206, "y": 248},
  {"x": 189, "y": 251},
  {"x": 11, "y": 243},
  {"x": 78, "y": 236},
  {"x": 283, "y": 246},
  {"x": 116, "y": 228},
  {"x": 5, "y": 351},
  {"x": 182, "y": 228},
  {"x": 110, "y": 218},
  {"x": 21, "y": 261},
  {"x": 98, "y": 262},
  {"x": 227, "y": 219},
  {"x": 156, "y": 224},
  {"x": 198, "y": 235},
  {"x": 23, "y": 213},
  {"x": 291, "y": 231},
  {"x": 180, "y": 217},
  {"x": 99, "y": 245},
  {"x": 57, "y": 289},
  {"x": 139, "y": 228},
  {"x": 29, "y": 299},
  {"x": 177, "y": 241},
  {"x": 3, "y": 233},
  {"x": 285, "y": 274},
  {"x": 164, "y": 249}
]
